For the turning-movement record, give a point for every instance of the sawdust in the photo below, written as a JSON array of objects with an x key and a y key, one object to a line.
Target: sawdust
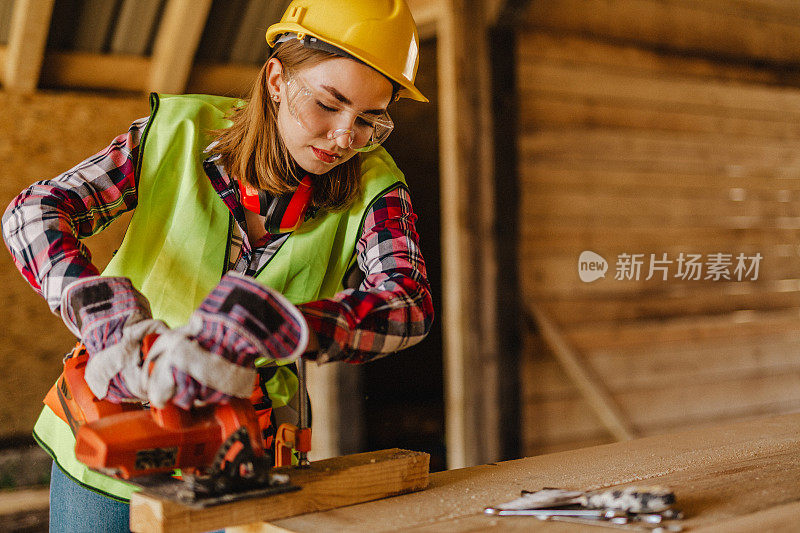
[{"x": 40, "y": 136}]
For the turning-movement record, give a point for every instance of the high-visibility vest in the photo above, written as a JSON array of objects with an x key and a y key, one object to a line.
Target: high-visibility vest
[{"x": 176, "y": 248}]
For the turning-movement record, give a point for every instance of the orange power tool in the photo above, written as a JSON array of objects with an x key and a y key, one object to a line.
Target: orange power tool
[{"x": 218, "y": 448}]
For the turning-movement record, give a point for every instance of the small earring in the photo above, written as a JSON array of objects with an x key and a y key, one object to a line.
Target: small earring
[{"x": 276, "y": 97}]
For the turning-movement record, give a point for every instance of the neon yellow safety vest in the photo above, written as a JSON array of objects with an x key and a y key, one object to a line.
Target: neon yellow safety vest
[{"x": 176, "y": 248}]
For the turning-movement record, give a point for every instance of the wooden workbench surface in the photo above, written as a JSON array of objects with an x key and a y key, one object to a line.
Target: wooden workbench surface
[{"x": 735, "y": 477}]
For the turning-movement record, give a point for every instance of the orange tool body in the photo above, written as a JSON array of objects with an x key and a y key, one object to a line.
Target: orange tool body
[{"x": 130, "y": 440}]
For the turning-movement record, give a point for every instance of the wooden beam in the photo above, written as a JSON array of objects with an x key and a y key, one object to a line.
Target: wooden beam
[
  {"x": 30, "y": 23},
  {"x": 3, "y": 54},
  {"x": 25, "y": 509},
  {"x": 95, "y": 71},
  {"x": 222, "y": 78},
  {"x": 129, "y": 73},
  {"x": 325, "y": 485},
  {"x": 596, "y": 396},
  {"x": 426, "y": 14},
  {"x": 175, "y": 45},
  {"x": 467, "y": 219},
  {"x": 743, "y": 30}
]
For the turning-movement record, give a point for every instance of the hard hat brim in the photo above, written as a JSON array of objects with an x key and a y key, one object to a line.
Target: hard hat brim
[{"x": 408, "y": 89}]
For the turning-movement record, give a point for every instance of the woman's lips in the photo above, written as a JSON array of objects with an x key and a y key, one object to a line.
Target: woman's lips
[{"x": 324, "y": 155}]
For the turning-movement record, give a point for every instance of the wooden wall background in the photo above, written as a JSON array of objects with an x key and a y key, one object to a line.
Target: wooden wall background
[
  {"x": 658, "y": 127},
  {"x": 41, "y": 136}
]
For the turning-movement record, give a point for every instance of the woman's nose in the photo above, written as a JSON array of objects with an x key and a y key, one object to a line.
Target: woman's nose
[{"x": 342, "y": 136}]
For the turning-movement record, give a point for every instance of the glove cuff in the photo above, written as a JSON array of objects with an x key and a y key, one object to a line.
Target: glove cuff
[{"x": 104, "y": 293}]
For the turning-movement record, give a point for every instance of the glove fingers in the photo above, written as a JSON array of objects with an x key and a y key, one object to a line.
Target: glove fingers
[
  {"x": 122, "y": 358},
  {"x": 172, "y": 351}
]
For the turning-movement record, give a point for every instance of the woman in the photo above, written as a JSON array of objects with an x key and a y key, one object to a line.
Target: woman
[{"x": 261, "y": 231}]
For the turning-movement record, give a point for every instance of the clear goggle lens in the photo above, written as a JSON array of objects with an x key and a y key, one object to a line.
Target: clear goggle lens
[{"x": 320, "y": 114}]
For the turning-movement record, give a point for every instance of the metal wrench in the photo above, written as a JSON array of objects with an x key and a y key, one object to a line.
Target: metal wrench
[
  {"x": 613, "y": 523},
  {"x": 596, "y": 514}
]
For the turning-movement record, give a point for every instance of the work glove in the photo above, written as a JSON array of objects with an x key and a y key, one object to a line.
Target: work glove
[
  {"x": 211, "y": 358},
  {"x": 111, "y": 318}
]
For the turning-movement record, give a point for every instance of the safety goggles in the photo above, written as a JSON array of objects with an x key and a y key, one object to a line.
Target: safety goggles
[{"x": 319, "y": 113}]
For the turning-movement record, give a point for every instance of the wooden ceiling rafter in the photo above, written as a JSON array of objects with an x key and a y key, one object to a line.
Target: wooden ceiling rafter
[
  {"x": 30, "y": 22},
  {"x": 176, "y": 43}
]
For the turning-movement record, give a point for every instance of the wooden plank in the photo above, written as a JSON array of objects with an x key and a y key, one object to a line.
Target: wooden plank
[
  {"x": 567, "y": 239},
  {"x": 558, "y": 277},
  {"x": 30, "y": 22},
  {"x": 709, "y": 469},
  {"x": 6, "y": 8},
  {"x": 222, "y": 78},
  {"x": 562, "y": 48},
  {"x": 707, "y": 152},
  {"x": 327, "y": 484},
  {"x": 541, "y": 109},
  {"x": 726, "y": 190},
  {"x": 648, "y": 90},
  {"x": 654, "y": 332},
  {"x": 24, "y": 509},
  {"x": 569, "y": 309},
  {"x": 669, "y": 407},
  {"x": 129, "y": 73},
  {"x": 543, "y": 172},
  {"x": 574, "y": 202},
  {"x": 176, "y": 42},
  {"x": 685, "y": 25},
  {"x": 780, "y": 519},
  {"x": 95, "y": 71},
  {"x": 23, "y": 500},
  {"x": 682, "y": 171},
  {"x": 135, "y": 26},
  {"x": 691, "y": 363}
]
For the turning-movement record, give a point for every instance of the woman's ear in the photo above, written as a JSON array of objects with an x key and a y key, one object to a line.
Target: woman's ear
[{"x": 275, "y": 79}]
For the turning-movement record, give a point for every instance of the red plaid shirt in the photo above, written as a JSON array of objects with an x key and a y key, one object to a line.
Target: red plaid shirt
[{"x": 390, "y": 310}]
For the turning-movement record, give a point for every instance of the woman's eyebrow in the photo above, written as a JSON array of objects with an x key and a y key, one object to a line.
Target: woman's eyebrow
[{"x": 343, "y": 99}]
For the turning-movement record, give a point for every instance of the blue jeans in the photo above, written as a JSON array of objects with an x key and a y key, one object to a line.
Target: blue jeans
[{"x": 75, "y": 509}]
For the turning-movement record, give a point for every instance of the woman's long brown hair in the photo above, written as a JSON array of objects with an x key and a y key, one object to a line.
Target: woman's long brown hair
[{"x": 252, "y": 148}]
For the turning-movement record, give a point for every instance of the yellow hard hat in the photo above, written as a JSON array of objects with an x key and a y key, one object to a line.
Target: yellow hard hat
[{"x": 381, "y": 33}]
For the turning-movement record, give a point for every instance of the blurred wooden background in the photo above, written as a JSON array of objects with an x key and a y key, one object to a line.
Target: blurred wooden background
[{"x": 556, "y": 127}]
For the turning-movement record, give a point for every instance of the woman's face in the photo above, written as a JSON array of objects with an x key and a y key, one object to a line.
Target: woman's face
[{"x": 357, "y": 87}]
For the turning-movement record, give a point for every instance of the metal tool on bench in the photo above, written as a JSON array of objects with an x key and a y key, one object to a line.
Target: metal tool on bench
[
  {"x": 632, "y": 508},
  {"x": 218, "y": 448}
]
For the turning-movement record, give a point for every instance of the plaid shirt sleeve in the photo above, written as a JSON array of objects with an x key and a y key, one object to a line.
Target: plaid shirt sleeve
[
  {"x": 392, "y": 308},
  {"x": 43, "y": 224}
]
